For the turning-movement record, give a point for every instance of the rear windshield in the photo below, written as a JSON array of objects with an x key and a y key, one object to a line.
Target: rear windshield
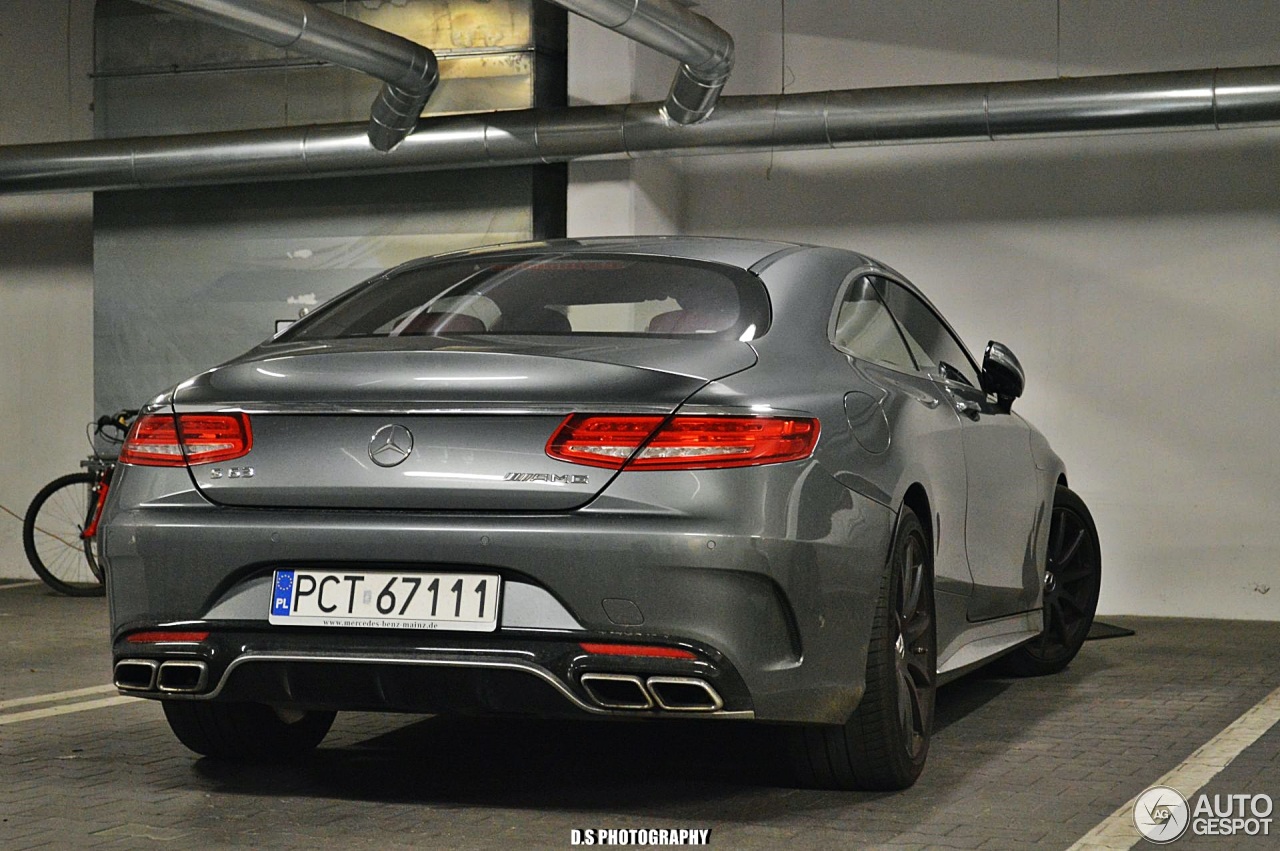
[{"x": 548, "y": 294}]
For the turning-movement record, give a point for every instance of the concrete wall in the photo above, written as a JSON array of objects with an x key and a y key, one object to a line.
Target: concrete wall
[
  {"x": 187, "y": 278},
  {"x": 1137, "y": 277},
  {"x": 46, "y": 255},
  {"x": 613, "y": 197}
]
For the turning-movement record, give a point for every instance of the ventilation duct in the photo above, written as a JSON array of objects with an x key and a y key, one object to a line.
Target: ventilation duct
[
  {"x": 409, "y": 70},
  {"x": 1180, "y": 100},
  {"x": 704, "y": 50}
]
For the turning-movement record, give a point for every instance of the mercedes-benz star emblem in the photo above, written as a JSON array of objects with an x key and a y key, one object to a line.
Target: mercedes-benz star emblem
[{"x": 390, "y": 445}]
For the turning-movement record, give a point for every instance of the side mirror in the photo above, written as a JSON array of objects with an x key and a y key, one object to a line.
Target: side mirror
[{"x": 1002, "y": 374}]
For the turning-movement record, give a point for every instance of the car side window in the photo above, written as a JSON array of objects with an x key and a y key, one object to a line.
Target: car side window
[
  {"x": 865, "y": 329},
  {"x": 934, "y": 347}
]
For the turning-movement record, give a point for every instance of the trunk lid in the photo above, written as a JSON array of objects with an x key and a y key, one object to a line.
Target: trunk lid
[{"x": 436, "y": 424}]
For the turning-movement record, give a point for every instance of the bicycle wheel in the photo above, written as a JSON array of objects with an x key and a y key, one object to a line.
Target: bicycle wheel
[{"x": 51, "y": 536}]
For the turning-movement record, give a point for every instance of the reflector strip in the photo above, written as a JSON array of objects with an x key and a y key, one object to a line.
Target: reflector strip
[
  {"x": 166, "y": 637},
  {"x": 647, "y": 650}
]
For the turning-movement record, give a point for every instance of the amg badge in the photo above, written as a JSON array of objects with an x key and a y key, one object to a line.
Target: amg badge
[{"x": 549, "y": 478}]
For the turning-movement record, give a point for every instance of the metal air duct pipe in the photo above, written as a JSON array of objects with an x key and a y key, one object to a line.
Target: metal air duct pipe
[
  {"x": 409, "y": 70},
  {"x": 1139, "y": 103},
  {"x": 704, "y": 50}
]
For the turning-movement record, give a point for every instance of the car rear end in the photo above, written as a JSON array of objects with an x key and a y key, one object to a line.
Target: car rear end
[{"x": 505, "y": 484}]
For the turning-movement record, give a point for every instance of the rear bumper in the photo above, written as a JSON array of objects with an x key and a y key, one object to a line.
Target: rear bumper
[
  {"x": 778, "y": 609},
  {"x": 501, "y": 675}
]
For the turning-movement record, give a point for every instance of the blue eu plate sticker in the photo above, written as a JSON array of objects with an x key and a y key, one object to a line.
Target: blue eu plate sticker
[{"x": 282, "y": 595}]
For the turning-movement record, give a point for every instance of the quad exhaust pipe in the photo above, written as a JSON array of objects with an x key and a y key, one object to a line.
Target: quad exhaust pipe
[
  {"x": 672, "y": 694},
  {"x": 184, "y": 677},
  {"x": 179, "y": 676},
  {"x": 617, "y": 691},
  {"x": 136, "y": 674},
  {"x": 684, "y": 694}
]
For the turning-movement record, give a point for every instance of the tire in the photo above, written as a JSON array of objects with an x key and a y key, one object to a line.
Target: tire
[
  {"x": 1073, "y": 578},
  {"x": 246, "y": 732},
  {"x": 884, "y": 744},
  {"x": 51, "y": 536}
]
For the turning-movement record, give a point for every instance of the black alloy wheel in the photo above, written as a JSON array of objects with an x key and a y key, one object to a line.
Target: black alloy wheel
[
  {"x": 915, "y": 648},
  {"x": 1072, "y": 581},
  {"x": 884, "y": 743}
]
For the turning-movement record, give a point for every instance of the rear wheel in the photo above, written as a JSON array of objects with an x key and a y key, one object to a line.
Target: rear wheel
[
  {"x": 884, "y": 743},
  {"x": 51, "y": 536},
  {"x": 1072, "y": 580},
  {"x": 246, "y": 732}
]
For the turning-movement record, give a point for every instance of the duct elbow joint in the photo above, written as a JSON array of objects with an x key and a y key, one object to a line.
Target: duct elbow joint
[
  {"x": 692, "y": 97},
  {"x": 397, "y": 109},
  {"x": 696, "y": 88},
  {"x": 395, "y": 115}
]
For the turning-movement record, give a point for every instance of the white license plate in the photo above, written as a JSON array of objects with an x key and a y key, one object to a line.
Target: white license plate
[{"x": 357, "y": 598}]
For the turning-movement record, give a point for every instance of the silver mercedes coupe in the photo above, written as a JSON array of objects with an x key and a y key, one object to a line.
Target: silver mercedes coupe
[{"x": 641, "y": 478}]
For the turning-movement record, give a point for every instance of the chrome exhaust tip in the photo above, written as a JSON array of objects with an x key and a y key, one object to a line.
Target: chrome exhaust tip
[
  {"x": 136, "y": 674},
  {"x": 684, "y": 694},
  {"x": 182, "y": 677},
  {"x": 617, "y": 691}
]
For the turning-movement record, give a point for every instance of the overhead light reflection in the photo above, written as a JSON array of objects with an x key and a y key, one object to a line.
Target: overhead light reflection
[
  {"x": 461, "y": 477},
  {"x": 470, "y": 378}
]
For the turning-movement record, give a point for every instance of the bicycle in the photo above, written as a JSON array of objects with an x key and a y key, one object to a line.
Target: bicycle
[{"x": 59, "y": 530}]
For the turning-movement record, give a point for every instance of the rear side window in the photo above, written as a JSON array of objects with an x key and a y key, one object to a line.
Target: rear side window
[
  {"x": 865, "y": 329},
  {"x": 549, "y": 295}
]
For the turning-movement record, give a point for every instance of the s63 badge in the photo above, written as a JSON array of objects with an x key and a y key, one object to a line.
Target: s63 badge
[{"x": 232, "y": 473}]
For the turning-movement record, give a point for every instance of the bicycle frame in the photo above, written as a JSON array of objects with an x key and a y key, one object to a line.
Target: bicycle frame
[
  {"x": 102, "y": 483},
  {"x": 52, "y": 521}
]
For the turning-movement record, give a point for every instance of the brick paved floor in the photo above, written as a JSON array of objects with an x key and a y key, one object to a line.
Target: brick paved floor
[{"x": 1014, "y": 764}]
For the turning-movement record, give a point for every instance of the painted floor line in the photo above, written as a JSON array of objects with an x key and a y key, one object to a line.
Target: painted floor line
[
  {"x": 65, "y": 709},
  {"x": 27, "y": 584},
  {"x": 53, "y": 697},
  {"x": 1117, "y": 831}
]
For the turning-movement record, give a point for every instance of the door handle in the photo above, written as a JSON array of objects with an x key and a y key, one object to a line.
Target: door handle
[{"x": 972, "y": 410}]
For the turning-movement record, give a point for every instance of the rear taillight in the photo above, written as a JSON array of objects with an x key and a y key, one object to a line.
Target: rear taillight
[
  {"x": 600, "y": 441},
  {"x": 164, "y": 440},
  {"x": 682, "y": 442}
]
